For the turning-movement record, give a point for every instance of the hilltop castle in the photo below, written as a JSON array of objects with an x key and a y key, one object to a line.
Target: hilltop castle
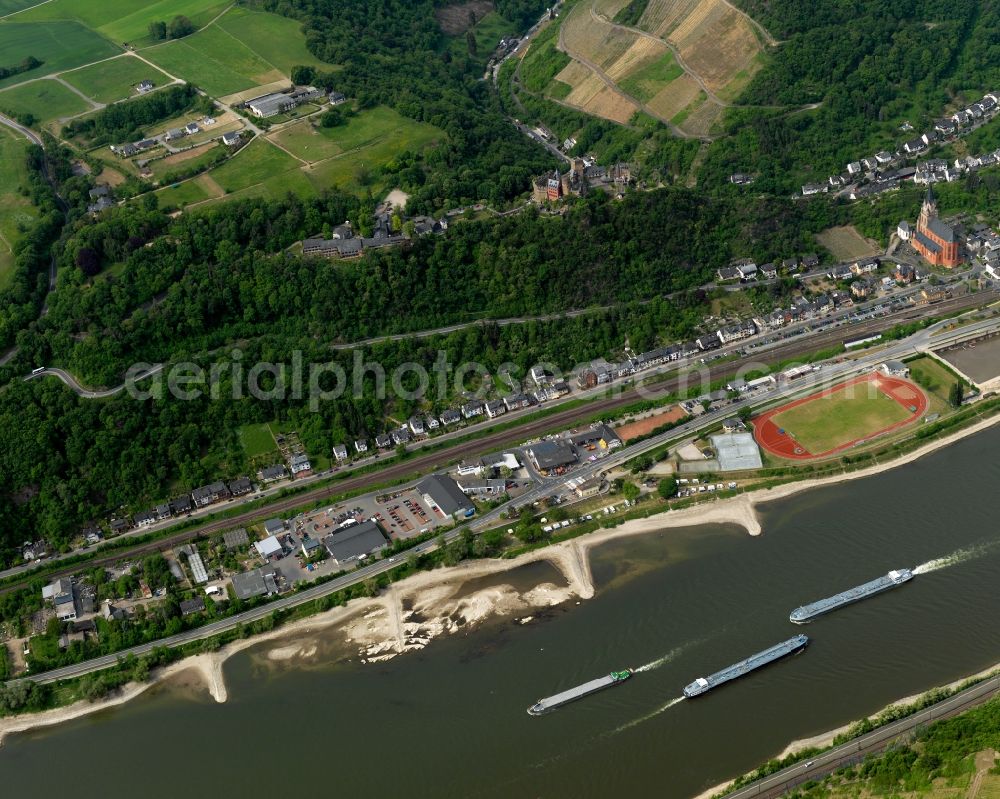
[{"x": 934, "y": 239}]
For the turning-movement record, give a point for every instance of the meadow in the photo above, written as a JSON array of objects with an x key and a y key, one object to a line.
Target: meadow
[
  {"x": 45, "y": 100},
  {"x": 364, "y": 130},
  {"x": 121, "y": 20},
  {"x": 191, "y": 191},
  {"x": 278, "y": 41},
  {"x": 14, "y": 209},
  {"x": 257, "y": 440},
  {"x": 213, "y": 61},
  {"x": 256, "y": 163},
  {"x": 114, "y": 80},
  {"x": 60, "y": 45}
]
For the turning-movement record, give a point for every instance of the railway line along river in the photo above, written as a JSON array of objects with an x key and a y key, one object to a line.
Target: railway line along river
[{"x": 450, "y": 720}]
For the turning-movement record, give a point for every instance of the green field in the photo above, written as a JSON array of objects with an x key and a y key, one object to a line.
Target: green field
[
  {"x": 279, "y": 41},
  {"x": 213, "y": 61},
  {"x": 10, "y": 6},
  {"x": 60, "y": 45},
  {"x": 14, "y": 209},
  {"x": 125, "y": 20},
  {"x": 190, "y": 191},
  {"x": 832, "y": 421},
  {"x": 932, "y": 377},
  {"x": 46, "y": 100},
  {"x": 164, "y": 166},
  {"x": 256, "y": 163},
  {"x": 375, "y": 133},
  {"x": 257, "y": 440},
  {"x": 648, "y": 81},
  {"x": 114, "y": 80}
]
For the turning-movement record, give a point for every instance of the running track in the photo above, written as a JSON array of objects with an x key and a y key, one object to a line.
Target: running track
[{"x": 771, "y": 438}]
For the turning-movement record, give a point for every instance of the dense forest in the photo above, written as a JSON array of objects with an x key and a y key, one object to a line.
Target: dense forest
[
  {"x": 869, "y": 66},
  {"x": 214, "y": 277}
]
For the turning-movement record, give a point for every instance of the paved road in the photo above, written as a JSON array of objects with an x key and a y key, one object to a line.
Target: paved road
[
  {"x": 88, "y": 393},
  {"x": 547, "y": 487},
  {"x": 875, "y": 741},
  {"x": 425, "y": 463}
]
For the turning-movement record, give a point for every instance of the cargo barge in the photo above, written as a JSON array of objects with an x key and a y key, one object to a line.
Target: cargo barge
[
  {"x": 808, "y": 612},
  {"x": 703, "y": 684},
  {"x": 580, "y": 691}
]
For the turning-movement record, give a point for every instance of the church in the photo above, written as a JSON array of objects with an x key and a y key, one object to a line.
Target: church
[{"x": 934, "y": 239}]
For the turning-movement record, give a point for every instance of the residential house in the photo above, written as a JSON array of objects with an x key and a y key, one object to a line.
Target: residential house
[
  {"x": 809, "y": 189},
  {"x": 232, "y": 138},
  {"x": 854, "y": 168},
  {"x": 119, "y": 526},
  {"x": 402, "y": 435},
  {"x": 361, "y": 445},
  {"x": 144, "y": 87},
  {"x": 336, "y": 98},
  {"x": 433, "y": 423},
  {"x": 904, "y": 231},
  {"x": 769, "y": 271},
  {"x": 189, "y": 606},
  {"x": 473, "y": 408},
  {"x": 865, "y": 266},
  {"x": 191, "y": 128},
  {"x": 181, "y": 505},
  {"x": 810, "y": 261},
  {"x": 417, "y": 425},
  {"x": 340, "y": 452},
  {"x": 904, "y": 274},
  {"x": 299, "y": 464},
  {"x": 862, "y": 289},
  {"x": 450, "y": 416},
  {"x": 163, "y": 512},
  {"x": 310, "y": 546},
  {"x": 727, "y": 273},
  {"x": 271, "y": 473},
  {"x": 206, "y": 495},
  {"x": 747, "y": 270},
  {"x": 174, "y": 134},
  {"x": 274, "y": 526},
  {"x": 383, "y": 441},
  {"x": 710, "y": 342},
  {"x": 515, "y": 401},
  {"x": 63, "y": 595},
  {"x": 240, "y": 486},
  {"x": 495, "y": 408},
  {"x": 736, "y": 332}
]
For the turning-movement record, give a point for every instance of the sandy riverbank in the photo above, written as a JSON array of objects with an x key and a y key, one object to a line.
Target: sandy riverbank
[{"x": 427, "y": 605}]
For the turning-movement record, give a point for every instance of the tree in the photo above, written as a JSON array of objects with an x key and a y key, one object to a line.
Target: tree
[
  {"x": 302, "y": 75},
  {"x": 470, "y": 40},
  {"x": 630, "y": 491},
  {"x": 956, "y": 394},
  {"x": 333, "y": 118},
  {"x": 180, "y": 26},
  {"x": 88, "y": 260},
  {"x": 158, "y": 30},
  {"x": 667, "y": 487}
]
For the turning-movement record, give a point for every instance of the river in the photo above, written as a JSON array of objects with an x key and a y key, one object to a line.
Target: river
[{"x": 450, "y": 721}]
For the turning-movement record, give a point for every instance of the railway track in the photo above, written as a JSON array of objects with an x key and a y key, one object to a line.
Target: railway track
[{"x": 423, "y": 464}]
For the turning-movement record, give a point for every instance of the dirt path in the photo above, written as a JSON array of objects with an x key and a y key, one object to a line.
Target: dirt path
[{"x": 984, "y": 762}]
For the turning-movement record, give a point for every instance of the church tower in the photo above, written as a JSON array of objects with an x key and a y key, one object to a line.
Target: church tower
[{"x": 928, "y": 210}]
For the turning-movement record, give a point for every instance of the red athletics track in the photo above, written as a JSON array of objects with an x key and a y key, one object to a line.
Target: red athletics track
[{"x": 768, "y": 434}]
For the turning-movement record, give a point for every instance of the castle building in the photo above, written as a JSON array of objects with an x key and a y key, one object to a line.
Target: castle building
[{"x": 933, "y": 239}]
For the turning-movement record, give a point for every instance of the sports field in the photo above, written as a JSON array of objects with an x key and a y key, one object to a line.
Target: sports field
[
  {"x": 45, "y": 100},
  {"x": 114, "y": 80},
  {"x": 59, "y": 45},
  {"x": 14, "y": 208},
  {"x": 839, "y": 417}
]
